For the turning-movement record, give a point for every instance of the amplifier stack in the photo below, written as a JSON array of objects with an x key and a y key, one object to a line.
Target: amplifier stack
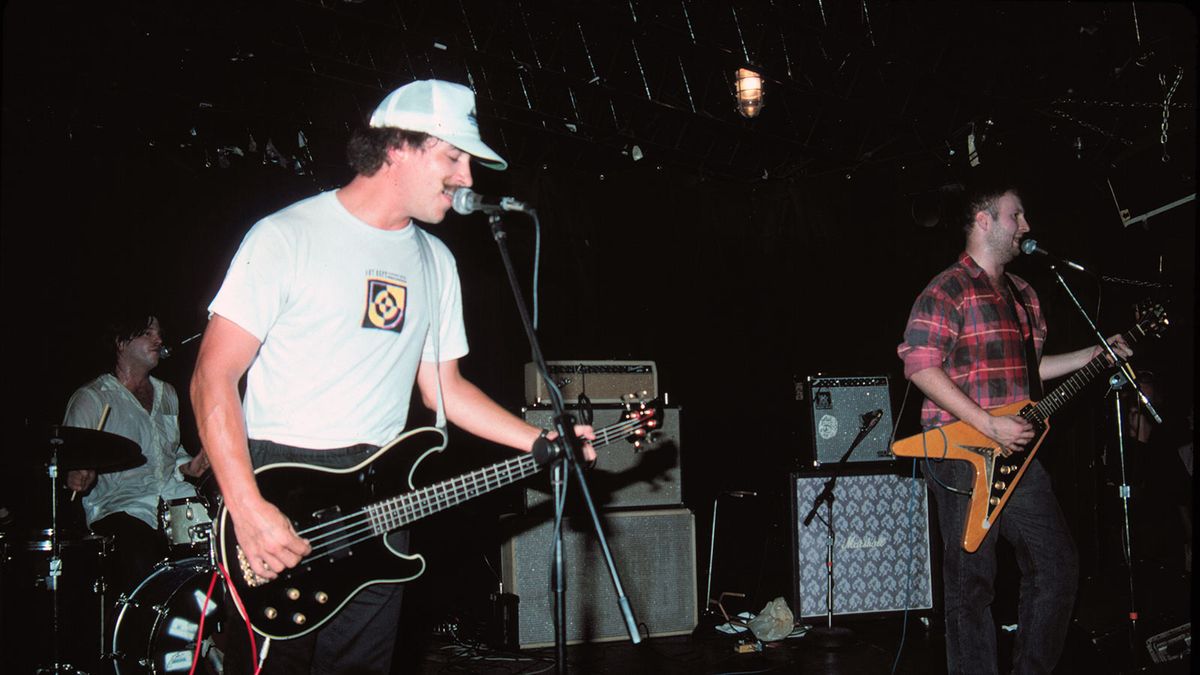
[{"x": 639, "y": 493}]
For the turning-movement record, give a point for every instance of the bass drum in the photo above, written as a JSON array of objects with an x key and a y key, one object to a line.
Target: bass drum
[{"x": 158, "y": 626}]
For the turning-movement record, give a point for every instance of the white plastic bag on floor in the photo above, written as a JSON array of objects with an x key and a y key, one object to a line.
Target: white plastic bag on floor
[{"x": 774, "y": 622}]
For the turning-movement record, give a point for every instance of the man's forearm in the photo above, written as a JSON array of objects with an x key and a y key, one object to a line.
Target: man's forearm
[{"x": 937, "y": 385}]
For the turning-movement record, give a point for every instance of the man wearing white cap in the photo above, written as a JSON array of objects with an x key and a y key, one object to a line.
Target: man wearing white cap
[{"x": 333, "y": 308}]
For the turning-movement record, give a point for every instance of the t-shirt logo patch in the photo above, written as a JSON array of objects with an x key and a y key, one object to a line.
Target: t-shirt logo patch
[{"x": 386, "y": 305}]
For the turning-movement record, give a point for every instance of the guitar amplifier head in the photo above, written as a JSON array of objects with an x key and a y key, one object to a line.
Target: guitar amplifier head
[
  {"x": 601, "y": 382},
  {"x": 839, "y": 406}
]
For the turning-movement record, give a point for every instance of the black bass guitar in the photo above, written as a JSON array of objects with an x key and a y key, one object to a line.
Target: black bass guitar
[{"x": 346, "y": 513}]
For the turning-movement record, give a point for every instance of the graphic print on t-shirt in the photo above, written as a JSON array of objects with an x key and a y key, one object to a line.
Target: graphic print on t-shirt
[{"x": 386, "y": 305}]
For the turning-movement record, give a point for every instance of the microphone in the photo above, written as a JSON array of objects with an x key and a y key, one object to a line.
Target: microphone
[
  {"x": 1030, "y": 246},
  {"x": 467, "y": 202},
  {"x": 165, "y": 351},
  {"x": 872, "y": 418}
]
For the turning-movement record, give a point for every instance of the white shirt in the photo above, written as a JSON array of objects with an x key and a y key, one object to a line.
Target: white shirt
[
  {"x": 134, "y": 491},
  {"x": 342, "y": 311}
]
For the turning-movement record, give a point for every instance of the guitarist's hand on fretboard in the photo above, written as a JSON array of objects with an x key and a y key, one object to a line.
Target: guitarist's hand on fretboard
[{"x": 1118, "y": 344}]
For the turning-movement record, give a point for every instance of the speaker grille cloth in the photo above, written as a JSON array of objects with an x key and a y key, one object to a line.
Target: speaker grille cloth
[
  {"x": 881, "y": 550},
  {"x": 655, "y": 554}
]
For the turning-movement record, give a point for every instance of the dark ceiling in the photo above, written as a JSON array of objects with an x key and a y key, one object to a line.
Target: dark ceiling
[{"x": 579, "y": 84}]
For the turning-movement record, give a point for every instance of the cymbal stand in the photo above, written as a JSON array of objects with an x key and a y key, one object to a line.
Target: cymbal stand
[{"x": 55, "y": 565}]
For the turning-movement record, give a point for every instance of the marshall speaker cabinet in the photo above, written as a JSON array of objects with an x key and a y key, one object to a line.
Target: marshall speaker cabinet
[{"x": 881, "y": 544}]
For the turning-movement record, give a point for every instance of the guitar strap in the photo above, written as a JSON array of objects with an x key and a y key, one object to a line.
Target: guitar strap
[
  {"x": 432, "y": 295},
  {"x": 1031, "y": 360}
]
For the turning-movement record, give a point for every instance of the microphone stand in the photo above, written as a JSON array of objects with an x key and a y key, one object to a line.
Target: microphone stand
[
  {"x": 567, "y": 461},
  {"x": 828, "y": 635},
  {"x": 1124, "y": 376}
]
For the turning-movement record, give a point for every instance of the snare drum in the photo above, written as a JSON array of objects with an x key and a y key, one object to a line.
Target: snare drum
[
  {"x": 158, "y": 625},
  {"x": 186, "y": 523}
]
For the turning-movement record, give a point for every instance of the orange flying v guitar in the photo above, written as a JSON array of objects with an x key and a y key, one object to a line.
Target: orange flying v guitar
[{"x": 996, "y": 476}]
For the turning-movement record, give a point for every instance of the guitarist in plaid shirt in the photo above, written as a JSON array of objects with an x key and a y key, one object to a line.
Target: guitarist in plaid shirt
[{"x": 965, "y": 348}]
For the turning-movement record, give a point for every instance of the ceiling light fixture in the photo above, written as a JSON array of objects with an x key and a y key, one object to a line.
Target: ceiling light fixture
[{"x": 749, "y": 92}]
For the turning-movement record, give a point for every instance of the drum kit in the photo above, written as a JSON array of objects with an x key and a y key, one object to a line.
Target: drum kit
[{"x": 56, "y": 580}]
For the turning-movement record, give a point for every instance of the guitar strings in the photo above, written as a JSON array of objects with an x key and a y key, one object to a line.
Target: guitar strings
[
  {"x": 371, "y": 521},
  {"x": 337, "y": 535}
]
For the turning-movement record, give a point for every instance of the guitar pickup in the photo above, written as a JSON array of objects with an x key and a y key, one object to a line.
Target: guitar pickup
[{"x": 329, "y": 515}]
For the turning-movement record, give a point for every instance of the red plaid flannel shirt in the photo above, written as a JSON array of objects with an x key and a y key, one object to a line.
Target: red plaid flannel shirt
[{"x": 962, "y": 324}]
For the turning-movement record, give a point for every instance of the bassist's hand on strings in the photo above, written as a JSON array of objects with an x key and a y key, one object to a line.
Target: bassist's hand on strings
[
  {"x": 267, "y": 540},
  {"x": 1012, "y": 432},
  {"x": 585, "y": 433}
]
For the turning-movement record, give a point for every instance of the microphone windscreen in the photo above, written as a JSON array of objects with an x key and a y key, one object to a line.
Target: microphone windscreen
[
  {"x": 1029, "y": 246},
  {"x": 465, "y": 201}
]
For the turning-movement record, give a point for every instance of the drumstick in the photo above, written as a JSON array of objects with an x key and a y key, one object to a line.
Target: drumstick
[{"x": 99, "y": 427}]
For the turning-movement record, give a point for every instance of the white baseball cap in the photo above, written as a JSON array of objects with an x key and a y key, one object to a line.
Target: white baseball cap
[{"x": 442, "y": 109}]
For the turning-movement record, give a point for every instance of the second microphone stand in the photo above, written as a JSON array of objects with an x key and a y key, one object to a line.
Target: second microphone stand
[
  {"x": 1125, "y": 375},
  {"x": 831, "y": 636},
  {"x": 566, "y": 463}
]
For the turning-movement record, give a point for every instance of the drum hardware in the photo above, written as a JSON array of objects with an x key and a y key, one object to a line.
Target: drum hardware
[
  {"x": 36, "y": 576},
  {"x": 72, "y": 448},
  {"x": 186, "y": 523}
]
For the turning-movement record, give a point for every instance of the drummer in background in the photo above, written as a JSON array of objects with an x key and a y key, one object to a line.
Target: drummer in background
[{"x": 144, "y": 409}]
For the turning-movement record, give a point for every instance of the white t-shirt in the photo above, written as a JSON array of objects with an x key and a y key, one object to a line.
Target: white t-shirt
[{"x": 341, "y": 309}]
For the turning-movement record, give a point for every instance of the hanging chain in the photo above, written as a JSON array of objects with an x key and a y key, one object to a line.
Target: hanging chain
[
  {"x": 1135, "y": 282},
  {"x": 1117, "y": 104},
  {"x": 1166, "y": 109},
  {"x": 1091, "y": 127}
]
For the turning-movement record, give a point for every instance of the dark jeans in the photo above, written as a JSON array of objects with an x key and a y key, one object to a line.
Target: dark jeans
[
  {"x": 1033, "y": 523},
  {"x": 359, "y": 639}
]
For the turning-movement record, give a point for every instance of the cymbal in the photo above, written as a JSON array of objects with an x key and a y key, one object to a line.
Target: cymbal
[{"x": 90, "y": 449}]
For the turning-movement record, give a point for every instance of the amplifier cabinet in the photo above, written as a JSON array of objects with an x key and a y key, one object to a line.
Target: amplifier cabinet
[
  {"x": 881, "y": 544},
  {"x": 655, "y": 555},
  {"x": 838, "y": 405},
  {"x": 623, "y": 477}
]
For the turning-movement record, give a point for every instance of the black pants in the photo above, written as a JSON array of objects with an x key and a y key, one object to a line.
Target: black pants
[
  {"x": 359, "y": 639},
  {"x": 137, "y": 548}
]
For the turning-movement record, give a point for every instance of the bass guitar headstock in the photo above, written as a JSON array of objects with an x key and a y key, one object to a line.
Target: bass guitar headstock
[{"x": 645, "y": 412}]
